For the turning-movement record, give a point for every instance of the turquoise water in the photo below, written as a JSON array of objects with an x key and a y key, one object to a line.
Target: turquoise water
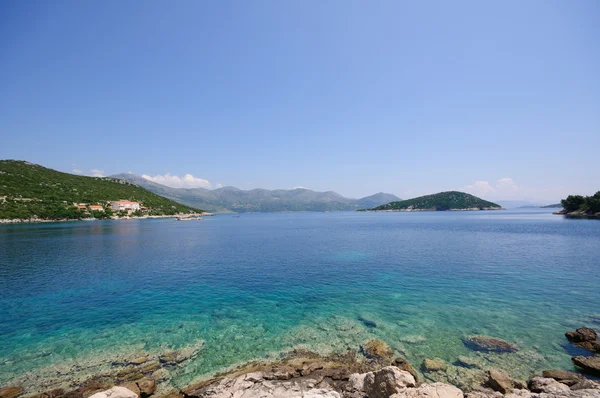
[{"x": 255, "y": 286}]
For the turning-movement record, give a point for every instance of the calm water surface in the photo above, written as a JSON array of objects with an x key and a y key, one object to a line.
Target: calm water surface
[{"x": 262, "y": 283}]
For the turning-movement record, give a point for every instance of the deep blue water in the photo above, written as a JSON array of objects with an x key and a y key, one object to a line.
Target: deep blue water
[{"x": 262, "y": 283}]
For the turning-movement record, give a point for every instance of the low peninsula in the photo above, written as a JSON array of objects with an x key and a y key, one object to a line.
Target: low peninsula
[
  {"x": 578, "y": 206},
  {"x": 443, "y": 201}
]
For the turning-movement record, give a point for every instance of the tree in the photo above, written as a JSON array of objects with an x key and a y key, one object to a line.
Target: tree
[{"x": 573, "y": 202}]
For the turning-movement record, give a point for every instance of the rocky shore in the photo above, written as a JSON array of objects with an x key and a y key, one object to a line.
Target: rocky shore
[
  {"x": 42, "y": 220},
  {"x": 372, "y": 370},
  {"x": 577, "y": 214}
]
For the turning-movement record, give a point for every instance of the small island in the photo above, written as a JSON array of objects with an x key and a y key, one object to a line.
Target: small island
[
  {"x": 578, "y": 206},
  {"x": 443, "y": 201}
]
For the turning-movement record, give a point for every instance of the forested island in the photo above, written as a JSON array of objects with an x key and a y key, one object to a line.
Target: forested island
[
  {"x": 30, "y": 192},
  {"x": 581, "y": 206},
  {"x": 443, "y": 201}
]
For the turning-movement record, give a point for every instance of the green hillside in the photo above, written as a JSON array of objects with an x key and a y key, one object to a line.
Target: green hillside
[
  {"x": 28, "y": 190},
  {"x": 451, "y": 200}
]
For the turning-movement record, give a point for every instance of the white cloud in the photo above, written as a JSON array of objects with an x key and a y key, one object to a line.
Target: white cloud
[
  {"x": 97, "y": 173},
  {"x": 173, "y": 181},
  {"x": 219, "y": 186},
  {"x": 480, "y": 188},
  {"x": 76, "y": 171},
  {"x": 300, "y": 187},
  {"x": 504, "y": 188},
  {"x": 506, "y": 184}
]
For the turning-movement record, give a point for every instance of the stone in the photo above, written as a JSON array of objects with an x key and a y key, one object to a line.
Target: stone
[
  {"x": 500, "y": 381},
  {"x": 588, "y": 364},
  {"x": 468, "y": 362},
  {"x": 57, "y": 392},
  {"x": 149, "y": 367},
  {"x": 170, "y": 357},
  {"x": 139, "y": 361},
  {"x": 585, "y": 384},
  {"x": 581, "y": 335},
  {"x": 131, "y": 386},
  {"x": 489, "y": 344},
  {"x": 433, "y": 365},
  {"x": 484, "y": 394},
  {"x": 434, "y": 390},
  {"x": 591, "y": 346},
  {"x": 387, "y": 381},
  {"x": 115, "y": 392},
  {"x": 376, "y": 349},
  {"x": 172, "y": 394},
  {"x": 147, "y": 387},
  {"x": 546, "y": 385},
  {"x": 11, "y": 391},
  {"x": 585, "y": 338},
  {"x": 356, "y": 382},
  {"x": 403, "y": 364},
  {"x": 563, "y": 376},
  {"x": 367, "y": 322}
]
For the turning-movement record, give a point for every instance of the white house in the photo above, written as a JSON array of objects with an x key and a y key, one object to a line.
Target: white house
[{"x": 125, "y": 205}]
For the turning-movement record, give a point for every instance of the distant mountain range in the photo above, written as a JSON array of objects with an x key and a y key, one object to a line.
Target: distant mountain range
[
  {"x": 451, "y": 200},
  {"x": 230, "y": 199}
]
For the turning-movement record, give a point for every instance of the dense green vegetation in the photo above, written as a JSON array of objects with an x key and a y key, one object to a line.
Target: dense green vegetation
[
  {"x": 585, "y": 204},
  {"x": 28, "y": 191},
  {"x": 451, "y": 200}
]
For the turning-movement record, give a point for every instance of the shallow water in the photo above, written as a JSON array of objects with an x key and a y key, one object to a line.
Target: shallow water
[{"x": 253, "y": 286}]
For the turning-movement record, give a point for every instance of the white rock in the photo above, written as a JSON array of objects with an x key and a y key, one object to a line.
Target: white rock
[
  {"x": 115, "y": 392},
  {"x": 435, "y": 390},
  {"x": 387, "y": 381}
]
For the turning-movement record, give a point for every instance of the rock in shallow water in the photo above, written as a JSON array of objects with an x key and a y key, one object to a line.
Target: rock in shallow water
[
  {"x": 10, "y": 392},
  {"x": 588, "y": 364},
  {"x": 563, "y": 376},
  {"x": 489, "y": 344},
  {"x": 581, "y": 335},
  {"x": 433, "y": 365},
  {"x": 499, "y": 381},
  {"x": 376, "y": 349}
]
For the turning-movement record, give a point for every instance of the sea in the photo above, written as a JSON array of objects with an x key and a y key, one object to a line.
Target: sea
[{"x": 262, "y": 284}]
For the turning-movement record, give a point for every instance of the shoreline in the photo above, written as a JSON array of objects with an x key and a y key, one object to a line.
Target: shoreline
[
  {"x": 431, "y": 210},
  {"x": 41, "y": 220},
  {"x": 346, "y": 373}
]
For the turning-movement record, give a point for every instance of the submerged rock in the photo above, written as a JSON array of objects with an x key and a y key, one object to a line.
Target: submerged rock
[
  {"x": 490, "y": 344},
  {"x": 11, "y": 392},
  {"x": 367, "y": 322},
  {"x": 376, "y": 349},
  {"x": 433, "y": 365},
  {"x": 468, "y": 362},
  {"x": 588, "y": 364}
]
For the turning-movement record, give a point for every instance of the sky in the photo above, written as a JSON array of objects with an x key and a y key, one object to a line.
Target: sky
[{"x": 500, "y": 99}]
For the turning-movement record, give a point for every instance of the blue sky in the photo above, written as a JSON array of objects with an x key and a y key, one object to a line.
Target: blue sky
[{"x": 501, "y": 99}]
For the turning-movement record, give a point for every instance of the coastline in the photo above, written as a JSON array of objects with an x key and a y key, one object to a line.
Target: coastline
[
  {"x": 432, "y": 210},
  {"x": 41, "y": 220},
  {"x": 355, "y": 373},
  {"x": 578, "y": 214}
]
